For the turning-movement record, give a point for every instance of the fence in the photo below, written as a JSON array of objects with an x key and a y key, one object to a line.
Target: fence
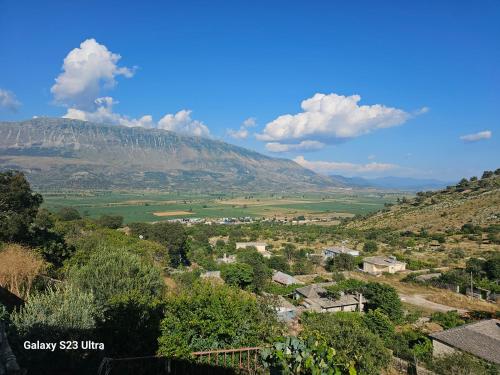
[{"x": 213, "y": 362}]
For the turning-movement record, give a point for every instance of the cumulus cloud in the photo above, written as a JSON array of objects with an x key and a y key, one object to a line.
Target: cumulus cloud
[
  {"x": 182, "y": 122},
  {"x": 327, "y": 167},
  {"x": 329, "y": 118},
  {"x": 104, "y": 114},
  {"x": 486, "y": 134},
  {"x": 8, "y": 100},
  {"x": 243, "y": 132},
  {"x": 302, "y": 146},
  {"x": 86, "y": 71}
]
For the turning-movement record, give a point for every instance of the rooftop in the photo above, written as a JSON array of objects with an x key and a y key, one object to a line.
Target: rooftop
[
  {"x": 382, "y": 261},
  {"x": 285, "y": 279},
  {"x": 314, "y": 290},
  {"x": 481, "y": 339}
]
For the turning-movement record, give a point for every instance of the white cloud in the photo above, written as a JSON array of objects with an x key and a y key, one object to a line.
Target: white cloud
[
  {"x": 302, "y": 146},
  {"x": 104, "y": 114},
  {"x": 8, "y": 100},
  {"x": 329, "y": 118},
  {"x": 242, "y": 132},
  {"x": 86, "y": 71},
  {"x": 371, "y": 157},
  {"x": 486, "y": 134},
  {"x": 182, "y": 122},
  {"x": 327, "y": 167}
]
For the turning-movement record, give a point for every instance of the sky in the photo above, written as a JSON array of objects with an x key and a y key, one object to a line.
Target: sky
[{"x": 365, "y": 88}]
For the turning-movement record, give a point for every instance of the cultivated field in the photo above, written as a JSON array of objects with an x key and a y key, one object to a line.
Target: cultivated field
[{"x": 154, "y": 206}]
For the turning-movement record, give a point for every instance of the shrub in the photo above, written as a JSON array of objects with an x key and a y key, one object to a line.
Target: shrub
[
  {"x": 207, "y": 317},
  {"x": 448, "y": 319},
  {"x": 370, "y": 247},
  {"x": 386, "y": 298},
  {"x": 238, "y": 274}
]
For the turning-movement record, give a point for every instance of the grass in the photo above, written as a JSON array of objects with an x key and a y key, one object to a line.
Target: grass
[{"x": 142, "y": 206}]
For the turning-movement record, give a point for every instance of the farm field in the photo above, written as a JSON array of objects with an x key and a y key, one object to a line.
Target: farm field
[{"x": 156, "y": 206}]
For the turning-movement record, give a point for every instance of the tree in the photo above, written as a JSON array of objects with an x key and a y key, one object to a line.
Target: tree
[
  {"x": 238, "y": 274},
  {"x": 386, "y": 298},
  {"x": 171, "y": 235},
  {"x": 352, "y": 341},
  {"x": 208, "y": 317},
  {"x": 278, "y": 263},
  {"x": 380, "y": 324},
  {"x": 492, "y": 268},
  {"x": 111, "y": 221},
  {"x": 261, "y": 272},
  {"x": 370, "y": 247},
  {"x": 289, "y": 251},
  {"x": 68, "y": 214},
  {"x": 110, "y": 272},
  {"x": 18, "y": 206},
  {"x": 341, "y": 262},
  {"x": 487, "y": 174}
]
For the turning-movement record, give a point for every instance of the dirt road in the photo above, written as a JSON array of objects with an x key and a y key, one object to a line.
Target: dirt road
[{"x": 419, "y": 300}]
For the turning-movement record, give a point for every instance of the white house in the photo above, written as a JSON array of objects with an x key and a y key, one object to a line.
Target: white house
[
  {"x": 260, "y": 246},
  {"x": 380, "y": 264},
  {"x": 334, "y": 251}
]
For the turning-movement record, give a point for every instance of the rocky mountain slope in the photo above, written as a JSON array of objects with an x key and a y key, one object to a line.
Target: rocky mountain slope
[
  {"x": 475, "y": 201},
  {"x": 60, "y": 153}
]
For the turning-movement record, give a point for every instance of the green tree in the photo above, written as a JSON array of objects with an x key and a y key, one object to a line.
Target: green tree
[
  {"x": 261, "y": 272},
  {"x": 278, "y": 263},
  {"x": 68, "y": 214},
  {"x": 351, "y": 339},
  {"x": 385, "y": 298},
  {"x": 380, "y": 324},
  {"x": 461, "y": 364},
  {"x": 341, "y": 262},
  {"x": 370, "y": 246},
  {"x": 111, "y": 221},
  {"x": 18, "y": 206},
  {"x": 206, "y": 317},
  {"x": 110, "y": 272},
  {"x": 238, "y": 274}
]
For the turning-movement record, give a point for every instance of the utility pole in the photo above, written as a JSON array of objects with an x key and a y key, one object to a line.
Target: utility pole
[{"x": 471, "y": 286}]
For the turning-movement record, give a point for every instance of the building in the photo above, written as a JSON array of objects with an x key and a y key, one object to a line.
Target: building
[
  {"x": 226, "y": 259},
  {"x": 314, "y": 298},
  {"x": 481, "y": 339},
  {"x": 334, "y": 251},
  {"x": 260, "y": 246},
  {"x": 380, "y": 264},
  {"x": 285, "y": 279}
]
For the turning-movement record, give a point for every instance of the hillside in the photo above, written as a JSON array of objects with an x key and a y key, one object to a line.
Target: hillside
[
  {"x": 62, "y": 153},
  {"x": 475, "y": 201},
  {"x": 393, "y": 183}
]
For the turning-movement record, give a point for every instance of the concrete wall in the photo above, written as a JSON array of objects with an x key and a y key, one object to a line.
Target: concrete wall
[{"x": 438, "y": 349}]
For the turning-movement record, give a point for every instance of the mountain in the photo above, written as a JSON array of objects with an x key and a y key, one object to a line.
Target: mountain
[
  {"x": 475, "y": 202},
  {"x": 62, "y": 153},
  {"x": 396, "y": 183}
]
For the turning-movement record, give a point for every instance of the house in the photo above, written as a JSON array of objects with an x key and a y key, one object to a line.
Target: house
[
  {"x": 259, "y": 246},
  {"x": 226, "y": 259},
  {"x": 312, "y": 291},
  {"x": 314, "y": 298},
  {"x": 285, "y": 279},
  {"x": 334, "y": 251},
  {"x": 481, "y": 339},
  {"x": 380, "y": 264},
  {"x": 346, "y": 302}
]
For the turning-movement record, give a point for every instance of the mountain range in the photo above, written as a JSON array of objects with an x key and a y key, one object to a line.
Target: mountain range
[
  {"x": 58, "y": 153},
  {"x": 395, "y": 183}
]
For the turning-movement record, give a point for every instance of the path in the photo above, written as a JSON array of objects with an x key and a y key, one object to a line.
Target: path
[{"x": 419, "y": 300}]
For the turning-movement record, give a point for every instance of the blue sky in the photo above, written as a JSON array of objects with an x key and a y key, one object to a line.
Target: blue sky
[{"x": 406, "y": 88}]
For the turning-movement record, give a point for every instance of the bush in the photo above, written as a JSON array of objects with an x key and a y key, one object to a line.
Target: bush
[
  {"x": 370, "y": 247},
  {"x": 341, "y": 262},
  {"x": 68, "y": 214},
  {"x": 448, "y": 319},
  {"x": 207, "y": 317},
  {"x": 386, "y": 298},
  {"x": 111, "y": 221},
  {"x": 351, "y": 339},
  {"x": 380, "y": 324},
  {"x": 110, "y": 272},
  {"x": 461, "y": 363},
  {"x": 238, "y": 274}
]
